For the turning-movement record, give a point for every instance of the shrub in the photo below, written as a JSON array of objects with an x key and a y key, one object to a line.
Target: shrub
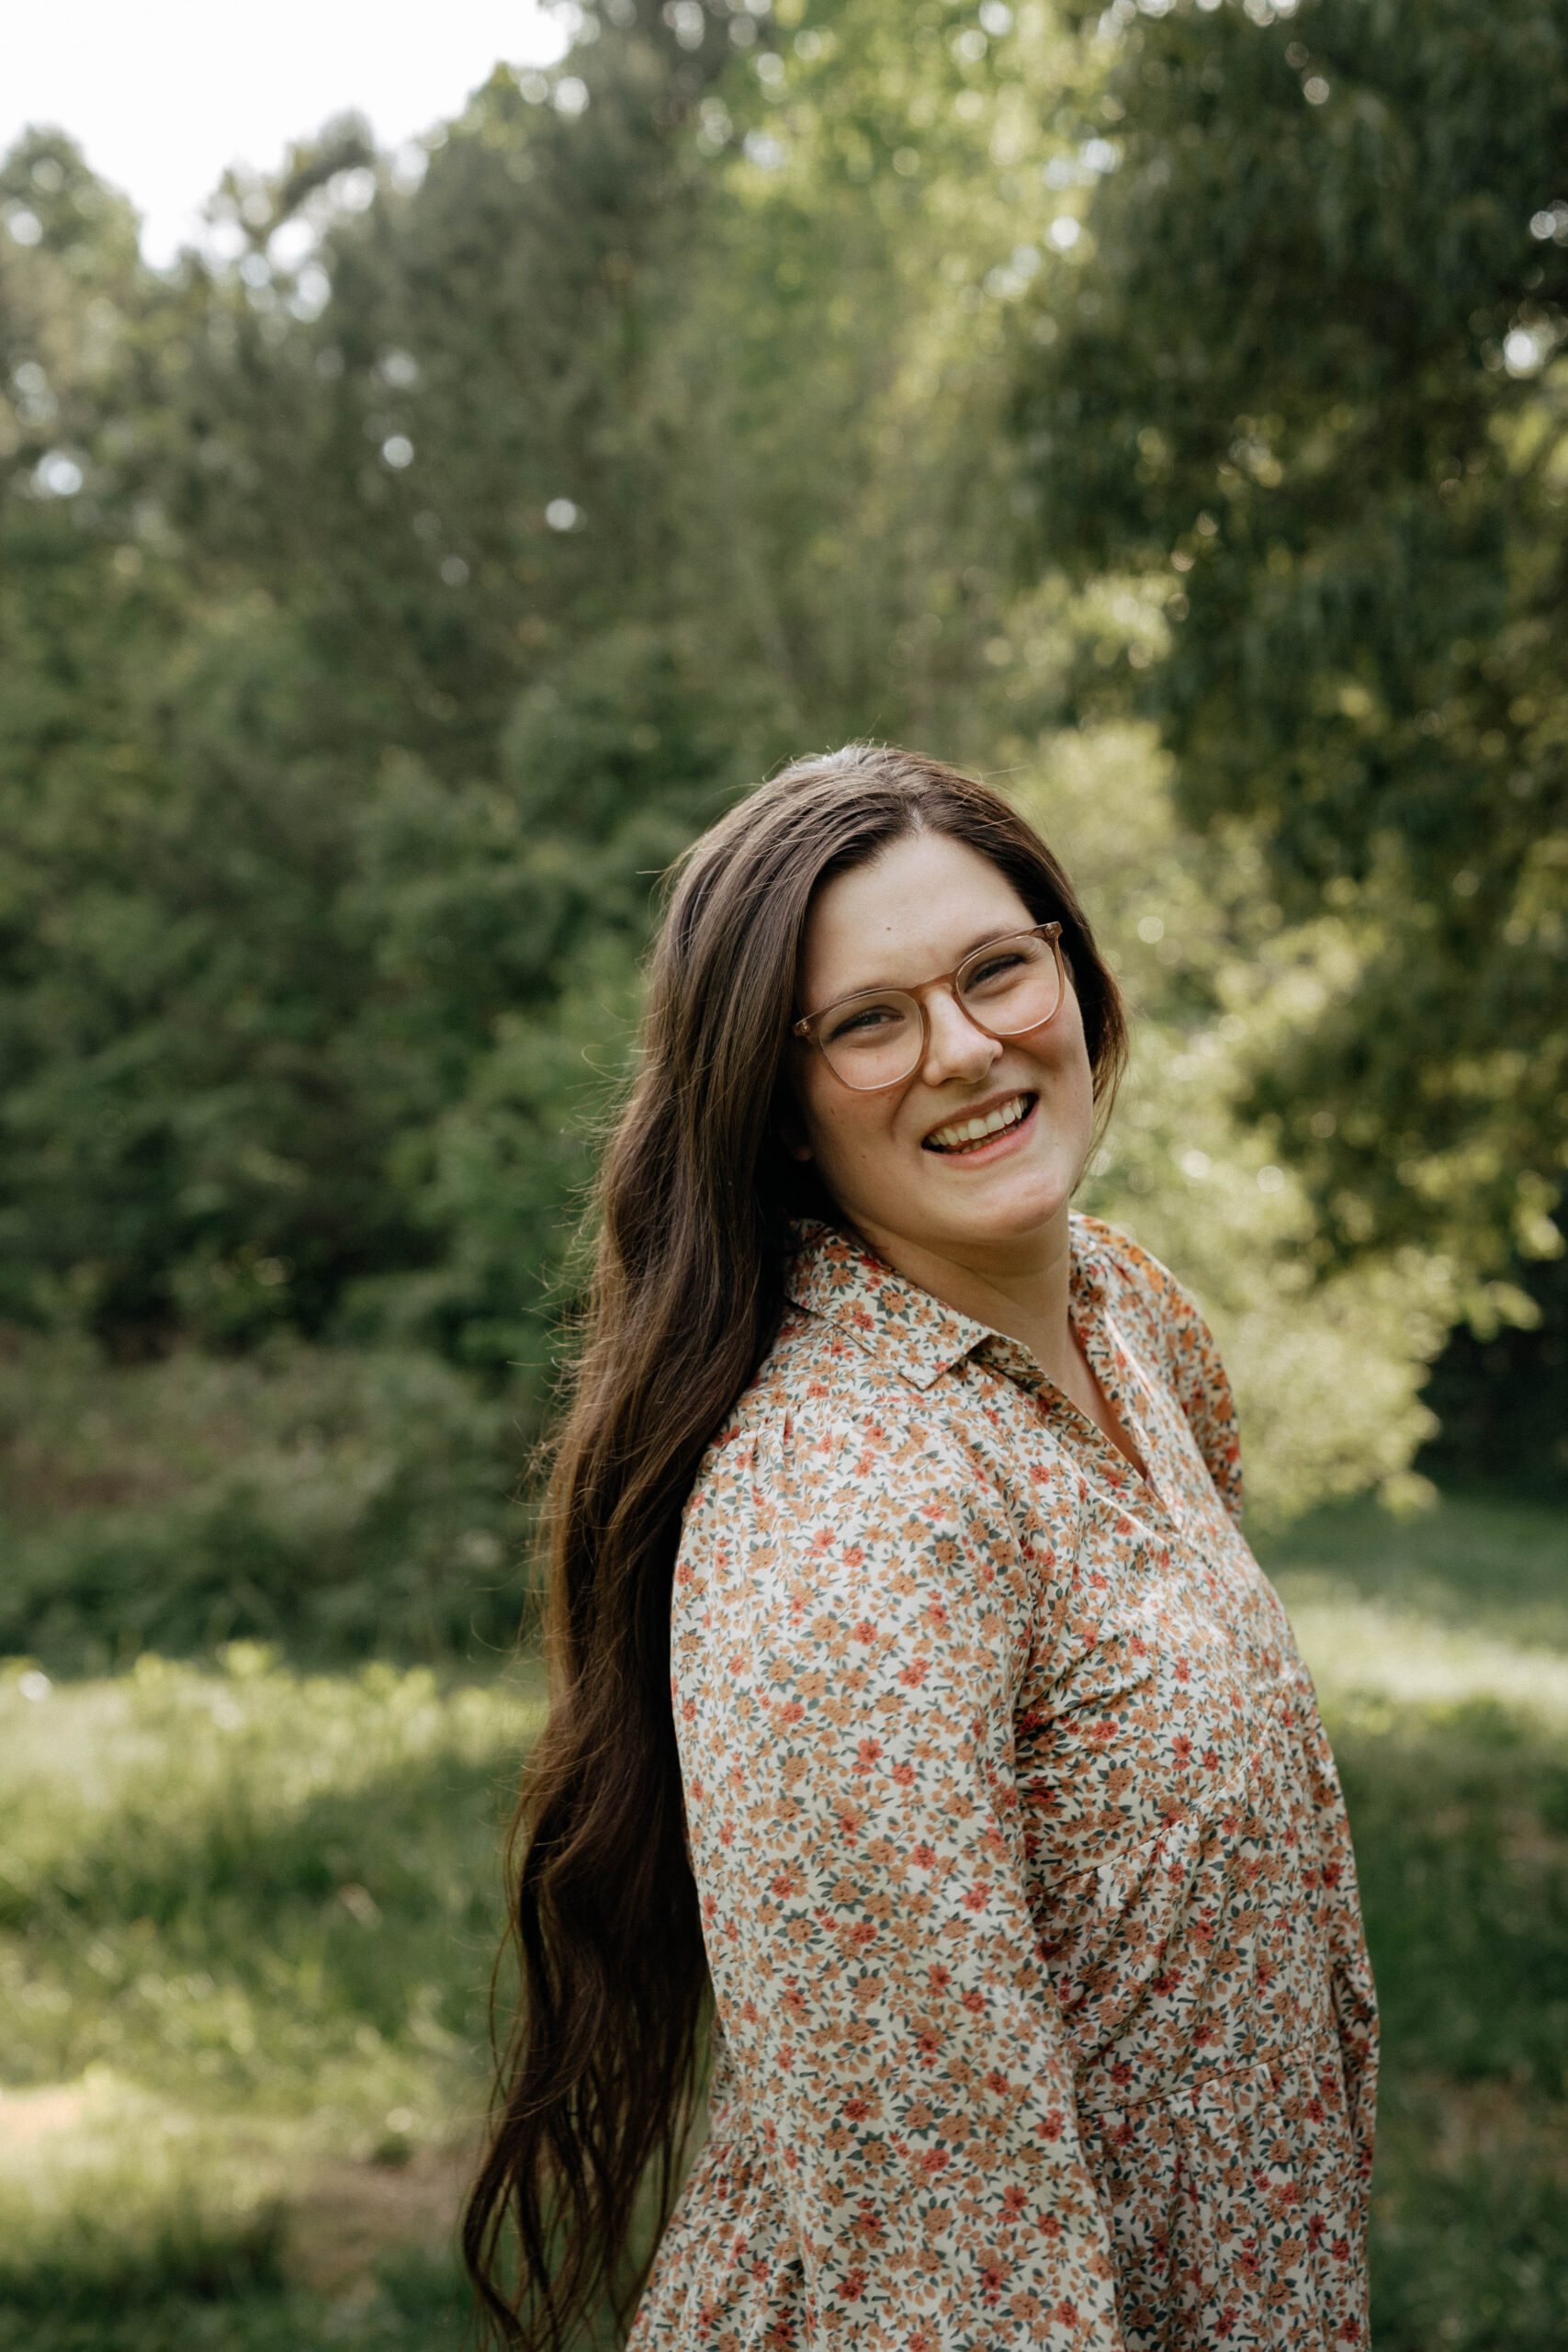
[{"x": 347, "y": 1503}]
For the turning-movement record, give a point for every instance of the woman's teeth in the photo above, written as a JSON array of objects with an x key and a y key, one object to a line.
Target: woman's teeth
[{"x": 964, "y": 1134}]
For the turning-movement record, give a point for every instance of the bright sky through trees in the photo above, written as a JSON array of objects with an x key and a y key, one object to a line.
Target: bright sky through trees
[{"x": 164, "y": 96}]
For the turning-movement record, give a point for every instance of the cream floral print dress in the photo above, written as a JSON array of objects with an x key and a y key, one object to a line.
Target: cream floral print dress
[{"x": 1043, "y": 2012}]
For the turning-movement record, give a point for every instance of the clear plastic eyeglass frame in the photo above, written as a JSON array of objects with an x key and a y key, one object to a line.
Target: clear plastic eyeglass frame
[{"x": 912, "y": 1001}]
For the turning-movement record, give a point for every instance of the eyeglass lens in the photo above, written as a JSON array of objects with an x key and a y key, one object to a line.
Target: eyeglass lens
[{"x": 1011, "y": 986}]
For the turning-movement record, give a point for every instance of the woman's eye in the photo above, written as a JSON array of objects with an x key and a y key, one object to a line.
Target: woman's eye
[
  {"x": 995, "y": 968},
  {"x": 870, "y": 1020}
]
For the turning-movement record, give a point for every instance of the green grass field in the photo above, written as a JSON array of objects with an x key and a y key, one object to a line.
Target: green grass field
[
  {"x": 246, "y": 1924},
  {"x": 1441, "y": 1649},
  {"x": 247, "y": 1917}
]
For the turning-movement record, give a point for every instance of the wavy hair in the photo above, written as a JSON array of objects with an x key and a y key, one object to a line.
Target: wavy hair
[{"x": 600, "y": 2077}]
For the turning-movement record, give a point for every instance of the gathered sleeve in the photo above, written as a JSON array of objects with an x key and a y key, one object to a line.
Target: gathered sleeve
[{"x": 853, "y": 1606}]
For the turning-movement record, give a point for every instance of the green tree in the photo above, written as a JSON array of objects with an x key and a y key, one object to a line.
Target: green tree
[
  {"x": 1306, "y": 377},
  {"x": 438, "y": 553},
  {"x": 482, "y": 531},
  {"x": 239, "y": 631}
]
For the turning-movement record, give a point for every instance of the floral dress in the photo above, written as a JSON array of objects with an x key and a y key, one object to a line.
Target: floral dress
[{"x": 1043, "y": 2015}]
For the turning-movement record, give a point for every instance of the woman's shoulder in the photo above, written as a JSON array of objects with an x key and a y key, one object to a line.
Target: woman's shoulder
[
  {"x": 1137, "y": 1285},
  {"x": 1149, "y": 1301},
  {"x": 828, "y": 1483},
  {"x": 824, "y": 1416},
  {"x": 836, "y": 1443},
  {"x": 1107, "y": 1251},
  {"x": 817, "y": 1391}
]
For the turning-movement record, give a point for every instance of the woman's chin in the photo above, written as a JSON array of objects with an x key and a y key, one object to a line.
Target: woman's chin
[{"x": 1007, "y": 1206}]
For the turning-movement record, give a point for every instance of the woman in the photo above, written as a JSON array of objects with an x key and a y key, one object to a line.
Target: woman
[{"x": 916, "y": 1695}]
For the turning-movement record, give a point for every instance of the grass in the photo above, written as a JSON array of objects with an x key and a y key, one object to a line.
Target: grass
[
  {"x": 1460, "y": 1821},
  {"x": 1479, "y": 1563},
  {"x": 1439, "y": 1646},
  {"x": 246, "y": 1923},
  {"x": 247, "y": 1915}
]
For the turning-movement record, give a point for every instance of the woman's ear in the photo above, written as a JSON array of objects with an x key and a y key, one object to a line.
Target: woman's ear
[
  {"x": 788, "y": 1122},
  {"x": 792, "y": 1135}
]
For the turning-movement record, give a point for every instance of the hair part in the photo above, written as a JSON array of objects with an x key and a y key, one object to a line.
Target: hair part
[{"x": 600, "y": 2077}]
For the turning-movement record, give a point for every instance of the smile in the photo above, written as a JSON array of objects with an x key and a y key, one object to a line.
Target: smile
[{"x": 968, "y": 1135}]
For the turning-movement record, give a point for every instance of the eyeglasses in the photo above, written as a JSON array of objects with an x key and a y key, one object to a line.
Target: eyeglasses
[{"x": 1006, "y": 988}]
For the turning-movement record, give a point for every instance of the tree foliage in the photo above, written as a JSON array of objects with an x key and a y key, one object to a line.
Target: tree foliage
[
  {"x": 402, "y": 591},
  {"x": 390, "y": 590},
  {"x": 1307, "y": 378},
  {"x": 290, "y": 646}
]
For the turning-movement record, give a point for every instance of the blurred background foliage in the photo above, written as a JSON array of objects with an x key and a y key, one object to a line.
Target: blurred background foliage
[
  {"x": 1158, "y": 410},
  {"x": 1161, "y": 411}
]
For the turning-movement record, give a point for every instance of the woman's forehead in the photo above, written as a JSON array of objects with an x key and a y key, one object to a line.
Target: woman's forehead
[{"x": 916, "y": 909}]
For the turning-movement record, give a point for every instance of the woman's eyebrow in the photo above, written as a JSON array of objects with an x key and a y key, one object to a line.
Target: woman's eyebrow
[{"x": 981, "y": 939}]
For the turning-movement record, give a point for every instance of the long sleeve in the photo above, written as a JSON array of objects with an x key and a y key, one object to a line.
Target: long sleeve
[
  {"x": 847, "y": 1651},
  {"x": 1351, "y": 1973}
]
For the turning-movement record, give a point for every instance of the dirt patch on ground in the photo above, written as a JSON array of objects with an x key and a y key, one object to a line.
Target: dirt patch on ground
[
  {"x": 1484, "y": 2123},
  {"x": 351, "y": 2217}
]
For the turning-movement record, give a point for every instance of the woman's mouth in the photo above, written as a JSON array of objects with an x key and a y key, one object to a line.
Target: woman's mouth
[{"x": 961, "y": 1137}]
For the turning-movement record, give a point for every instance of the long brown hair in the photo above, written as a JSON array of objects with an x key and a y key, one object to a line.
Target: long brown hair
[{"x": 599, "y": 2076}]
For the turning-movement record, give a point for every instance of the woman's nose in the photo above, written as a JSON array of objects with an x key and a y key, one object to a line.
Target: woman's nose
[{"x": 955, "y": 1046}]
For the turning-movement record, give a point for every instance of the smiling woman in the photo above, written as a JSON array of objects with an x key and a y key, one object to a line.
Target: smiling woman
[
  {"x": 958, "y": 1161},
  {"x": 917, "y": 1702}
]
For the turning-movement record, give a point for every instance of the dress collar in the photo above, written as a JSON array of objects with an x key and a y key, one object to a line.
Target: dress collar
[{"x": 896, "y": 1323}]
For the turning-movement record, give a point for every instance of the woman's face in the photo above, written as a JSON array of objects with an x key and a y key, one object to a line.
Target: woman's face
[{"x": 917, "y": 909}]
